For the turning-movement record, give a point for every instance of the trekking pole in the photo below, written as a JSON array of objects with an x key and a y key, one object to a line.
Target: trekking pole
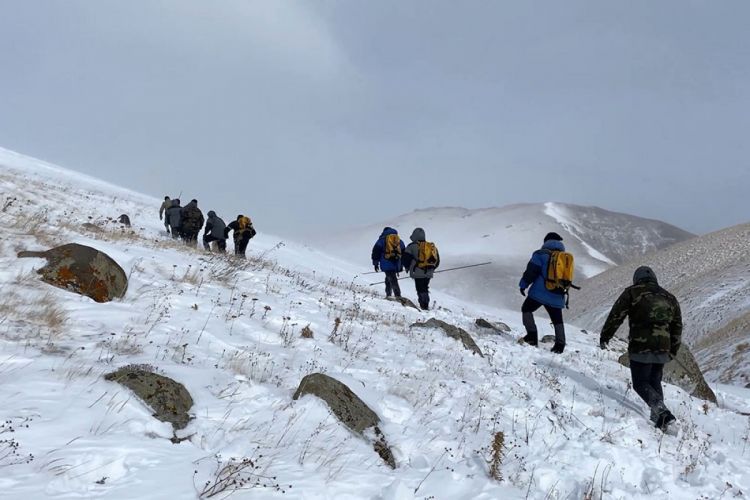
[{"x": 441, "y": 271}]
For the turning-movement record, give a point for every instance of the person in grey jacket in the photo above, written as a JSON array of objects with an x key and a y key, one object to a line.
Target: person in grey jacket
[
  {"x": 214, "y": 231},
  {"x": 421, "y": 272},
  {"x": 174, "y": 218}
]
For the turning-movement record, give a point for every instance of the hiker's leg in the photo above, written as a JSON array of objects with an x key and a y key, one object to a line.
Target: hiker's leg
[
  {"x": 423, "y": 289},
  {"x": 527, "y": 315},
  {"x": 388, "y": 283},
  {"x": 556, "y": 316},
  {"x": 641, "y": 373}
]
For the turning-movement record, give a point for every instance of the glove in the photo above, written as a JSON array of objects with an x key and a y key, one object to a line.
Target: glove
[
  {"x": 523, "y": 292},
  {"x": 160, "y": 217},
  {"x": 377, "y": 268},
  {"x": 602, "y": 345}
]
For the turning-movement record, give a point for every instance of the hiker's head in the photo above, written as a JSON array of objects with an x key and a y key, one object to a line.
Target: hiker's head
[
  {"x": 552, "y": 236},
  {"x": 644, "y": 274}
]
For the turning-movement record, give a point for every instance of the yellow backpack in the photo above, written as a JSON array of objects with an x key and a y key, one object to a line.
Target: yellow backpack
[
  {"x": 560, "y": 271},
  {"x": 244, "y": 222},
  {"x": 428, "y": 255},
  {"x": 392, "y": 247}
]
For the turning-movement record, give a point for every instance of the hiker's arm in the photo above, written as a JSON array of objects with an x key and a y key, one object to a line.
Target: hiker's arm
[
  {"x": 532, "y": 272},
  {"x": 377, "y": 252},
  {"x": 617, "y": 315},
  {"x": 675, "y": 331}
]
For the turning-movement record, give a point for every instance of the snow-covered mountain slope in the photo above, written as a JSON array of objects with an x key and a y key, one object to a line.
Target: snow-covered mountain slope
[
  {"x": 230, "y": 332},
  {"x": 710, "y": 275},
  {"x": 506, "y": 237}
]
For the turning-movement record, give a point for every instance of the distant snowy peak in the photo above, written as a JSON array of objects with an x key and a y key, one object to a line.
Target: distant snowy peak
[{"x": 611, "y": 236}]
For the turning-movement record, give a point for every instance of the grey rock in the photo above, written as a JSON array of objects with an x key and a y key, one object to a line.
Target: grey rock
[
  {"x": 124, "y": 220},
  {"x": 404, "y": 302},
  {"x": 548, "y": 339},
  {"x": 683, "y": 372},
  {"x": 498, "y": 326},
  {"x": 453, "y": 332},
  {"x": 169, "y": 400},
  {"x": 83, "y": 270},
  {"x": 348, "y": 408},
  {"x": 92, "y": 227}
]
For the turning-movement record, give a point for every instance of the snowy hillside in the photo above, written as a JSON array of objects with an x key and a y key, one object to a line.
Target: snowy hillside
[
  {"x": 506, "y": 237},
  {"x": 566, "y": 426},
  {"x": 710, "y": 275}
]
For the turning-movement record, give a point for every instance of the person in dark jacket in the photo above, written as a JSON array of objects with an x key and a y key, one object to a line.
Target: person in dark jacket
[
  {"x": 214, "y": 231},
  {"x": 192, "y": 222},
  {"x": 655, "y": 321},
  {"x": 553, "y": 301},
  {"x": 174, "y": 217},
  {"x": 421, "y": 272},
  {"x": 389, "y": 264},
  {"x": 163, "y": 212},
  {"x": 243, "y": 231}
]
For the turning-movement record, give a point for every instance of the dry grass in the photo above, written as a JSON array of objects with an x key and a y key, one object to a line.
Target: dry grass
[
  {"x": 43, "y": 312},
  {"x": 496, "y": 456}
]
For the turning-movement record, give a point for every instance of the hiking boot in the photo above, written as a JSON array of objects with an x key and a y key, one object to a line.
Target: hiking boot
[
  {"x": 531, "y": 340},
  {"x": 664, "y": 419},
  {"x": 558, "y": 348}
]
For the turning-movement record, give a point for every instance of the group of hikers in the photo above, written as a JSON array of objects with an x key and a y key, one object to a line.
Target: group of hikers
[
  {"x": 186, "y": 222},
  {"x": 653, "y": 313}
]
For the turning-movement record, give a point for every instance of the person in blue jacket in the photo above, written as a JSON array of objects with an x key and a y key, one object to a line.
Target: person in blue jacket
[
  {"x": 539, "y": 295},
  {"x": 389, "y": 264}
]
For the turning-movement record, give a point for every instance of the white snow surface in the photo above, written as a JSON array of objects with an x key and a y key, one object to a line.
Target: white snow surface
[
  {"x": 506, "y": 237},
  {"x": 229, "y": 332}
]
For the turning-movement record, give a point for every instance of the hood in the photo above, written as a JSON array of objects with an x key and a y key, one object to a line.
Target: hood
[
  {"x": 191, "y": 204},
  {"x": 418, "y": 235},
  {"x": 387, "y": 231},
  {"x": 175, "y": 203},
  {"x": 644, "y": 274},
  {"x": 554, "y": 245},
  {"x": 211, "y": 213}
]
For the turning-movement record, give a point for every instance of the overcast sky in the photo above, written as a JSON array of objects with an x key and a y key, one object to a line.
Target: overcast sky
[{"x": 317, "y": 115}]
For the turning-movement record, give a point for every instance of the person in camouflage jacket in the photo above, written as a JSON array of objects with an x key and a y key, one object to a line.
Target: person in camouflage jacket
[
  {"x": 192, "y": 222},
  {"x": 655, "y": 323}
]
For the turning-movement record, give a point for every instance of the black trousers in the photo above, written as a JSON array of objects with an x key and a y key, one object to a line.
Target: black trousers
[
  {"x": 240, "y": 244},
  {"x": 391, "y": 284},
  {"x": 530, "y": 305},
  {"x": 208, "y": 238},
  {"x": 647, "y": 382},
  {"x": 423, "y": 292}
]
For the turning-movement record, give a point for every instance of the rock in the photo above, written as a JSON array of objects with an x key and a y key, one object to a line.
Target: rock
[
  {"x": 453, "y": 332},
  {"x": 83, "y": 270},
  {"x": 349, "y": 409},
  {"x": 499, "y": 326},
  {"x": 548, "y": 339},
  {"x": 683, "y": 372},
  {"x": 124, "y": 220},
  {"x": 169, "y": 400},
  {"x": 404, "y": 302},
  {"x": 92, "y": 227}
]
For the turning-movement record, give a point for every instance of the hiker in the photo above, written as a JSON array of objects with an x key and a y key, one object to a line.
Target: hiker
[
  {"x": 386, "y": 257},
  {"x": 174, "y": 218},
  {"x": 214, "y": 231},
  {"x": 192, "y": 222},
  {"x": 540, "y": 295},
  {"x": 243, "y": 232},
  {"x": 420, "y": 259},
  {"x": 655, "y": 323},
  {"x": 163, "y": 212}
]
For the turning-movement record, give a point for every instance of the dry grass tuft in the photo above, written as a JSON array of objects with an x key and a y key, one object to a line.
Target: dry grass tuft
[{"x": 496, "y": 460}]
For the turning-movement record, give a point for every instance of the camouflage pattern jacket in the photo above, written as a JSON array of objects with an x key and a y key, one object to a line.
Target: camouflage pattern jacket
[{"x": 654, "y": 317}]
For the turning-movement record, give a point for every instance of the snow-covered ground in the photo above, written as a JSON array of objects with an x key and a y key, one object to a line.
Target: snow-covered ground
[
  {"x": 230, "y": 332},
  {"x": 507, "y": 236}
]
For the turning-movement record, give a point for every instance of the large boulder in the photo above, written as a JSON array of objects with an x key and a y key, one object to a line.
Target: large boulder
[
  {"x": 83, "y": 270},
  {"x": 453, "y": 332},
  {"x": 169, "y": 400},
  {"x": 684, "y": 372},
  {"x": 349, "y": 409}
]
